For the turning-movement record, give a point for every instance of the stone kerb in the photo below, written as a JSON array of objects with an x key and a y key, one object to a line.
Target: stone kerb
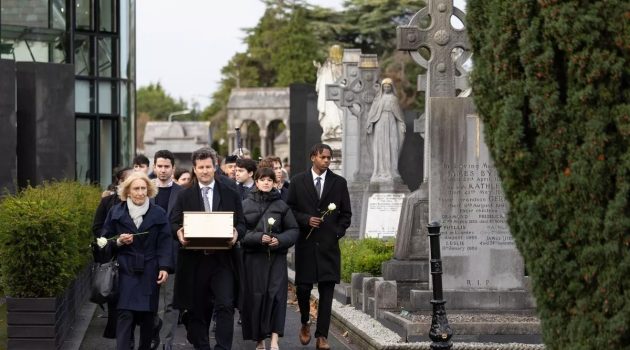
[
  {"x": 385, "y": 296},
  {"x": 368, "y": 294},
  {"x": 356, "y": 283}
]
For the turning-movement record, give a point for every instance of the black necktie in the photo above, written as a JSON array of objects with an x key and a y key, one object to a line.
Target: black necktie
[{"x": 318, "y": 186}]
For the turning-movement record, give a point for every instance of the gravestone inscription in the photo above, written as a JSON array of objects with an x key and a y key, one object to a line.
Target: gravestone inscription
[
  {"x": 466, "y": 196},
  {"x": 383, "y": 213}
]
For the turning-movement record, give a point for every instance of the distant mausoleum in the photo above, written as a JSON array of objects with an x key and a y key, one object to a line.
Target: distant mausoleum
[
  {"x": 262, "y": 114},
  {"x": 181, "y": 138}
]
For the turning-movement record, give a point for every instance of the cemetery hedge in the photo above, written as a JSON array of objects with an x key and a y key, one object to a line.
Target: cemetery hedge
[
  {"x": 45, "y": 233},
  {"x": 552, "y": 83},
  {"x": 364, "y": 255}
]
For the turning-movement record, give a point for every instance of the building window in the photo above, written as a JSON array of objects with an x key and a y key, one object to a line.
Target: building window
[
  {"x": 84, "y": 151},
  {"x": 101, "y": 45}
]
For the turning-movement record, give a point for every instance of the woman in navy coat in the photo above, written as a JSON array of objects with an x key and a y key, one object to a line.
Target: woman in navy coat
[{"x": 143, "y": 240}]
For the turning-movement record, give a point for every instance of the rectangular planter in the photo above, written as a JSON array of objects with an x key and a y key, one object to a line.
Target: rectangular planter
[{"x": 44, "y": 323}]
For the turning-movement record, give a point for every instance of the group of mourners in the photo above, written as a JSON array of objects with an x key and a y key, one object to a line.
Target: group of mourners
[{"x": 163, "y": 282}]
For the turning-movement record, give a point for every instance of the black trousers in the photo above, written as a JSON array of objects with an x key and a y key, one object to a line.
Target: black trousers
[
  {"x": 125, "y": 325},
  {"x": 326, "y": 292},
  {"x": 215, "y": 281}
]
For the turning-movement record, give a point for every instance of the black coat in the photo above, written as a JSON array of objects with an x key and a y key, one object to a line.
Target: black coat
[
  {"x": 264, "y": 279},
  {"x": 285, "y": 227},
  {"x": 175, "y": 189},
  {"x": 140, "y": 262},
  {"x": 318, "y": 259},
  {"x": 103, "y": 208},
  {"x": 224, "y": 198}
]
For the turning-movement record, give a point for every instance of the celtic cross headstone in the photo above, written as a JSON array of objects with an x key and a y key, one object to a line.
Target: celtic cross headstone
[
  {"x": 444, "y": 76},
  {"x": 354, "y": 93},
  {"x": 461, "y": 188}
]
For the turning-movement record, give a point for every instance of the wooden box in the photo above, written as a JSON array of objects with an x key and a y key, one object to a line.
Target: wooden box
[{"x": 208, "y": 230}]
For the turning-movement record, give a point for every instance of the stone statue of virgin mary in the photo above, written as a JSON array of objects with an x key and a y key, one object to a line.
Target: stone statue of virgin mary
[{"x": 386, "y": 131}]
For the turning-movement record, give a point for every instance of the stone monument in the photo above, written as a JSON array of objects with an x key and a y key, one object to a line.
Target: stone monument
[
  {"x": 482, "y": 268},
  {"x": 382, "y": 200},
  {"x": 354, "y": 93},
  {"x": 466, "y": 196},
  {"x": 444, "y": 77},
  {"x": 330, "y": 115}
]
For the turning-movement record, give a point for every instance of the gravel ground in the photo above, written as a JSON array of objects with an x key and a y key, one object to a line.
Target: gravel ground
[{"x": 367, "y": 324}]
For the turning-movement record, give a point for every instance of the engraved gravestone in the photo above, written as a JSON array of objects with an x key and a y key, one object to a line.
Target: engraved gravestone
[
  {"x": 466, "y": 196},
  {"x": 445, "y": 76}
]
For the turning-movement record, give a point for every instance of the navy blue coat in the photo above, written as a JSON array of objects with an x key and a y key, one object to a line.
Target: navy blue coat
[{"x": 140, "y": 262}]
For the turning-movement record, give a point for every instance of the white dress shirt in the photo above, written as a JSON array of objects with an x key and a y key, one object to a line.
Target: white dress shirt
[{"x": 322, "y": 176}]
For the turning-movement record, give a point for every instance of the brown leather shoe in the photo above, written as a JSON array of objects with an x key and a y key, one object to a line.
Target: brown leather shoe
[
  {"x": 305, "y": 334},
  {"x": 322, "y": 343}
]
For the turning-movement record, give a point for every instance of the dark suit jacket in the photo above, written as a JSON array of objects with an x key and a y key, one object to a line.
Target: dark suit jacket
[
  {"x": 175, "y": 189},
  {"x": 318, "y": 259},
  {"x": 224, "y": 199}
]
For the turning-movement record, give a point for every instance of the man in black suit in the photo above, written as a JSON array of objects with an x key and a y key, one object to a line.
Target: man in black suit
[
  {"x": 168, "y": 190},
  {"x": 206, "y": 277},
  {"x": 317, "y": 257}
]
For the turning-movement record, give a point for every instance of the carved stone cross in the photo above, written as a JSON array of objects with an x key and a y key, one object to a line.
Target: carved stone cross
[
  {"x": 358, "y": 86},
  {"x": 444, "y": 74},
  {"x": 354, "y": 92}
]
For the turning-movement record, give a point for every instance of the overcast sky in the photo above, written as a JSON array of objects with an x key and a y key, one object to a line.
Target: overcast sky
[{"x": 184, "y": 44}]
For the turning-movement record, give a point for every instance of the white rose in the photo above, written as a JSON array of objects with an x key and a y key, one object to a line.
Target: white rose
[
  {"x": 101, "y": 242},
  {"x": 271, "y": 221},
  {"x": 332, "y": 206}
]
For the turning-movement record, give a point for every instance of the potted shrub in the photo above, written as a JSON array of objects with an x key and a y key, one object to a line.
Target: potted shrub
[{"x": 44, "y": 249}]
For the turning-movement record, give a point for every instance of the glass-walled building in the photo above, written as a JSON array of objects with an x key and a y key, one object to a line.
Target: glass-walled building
[{"x": 98, "y": 37}]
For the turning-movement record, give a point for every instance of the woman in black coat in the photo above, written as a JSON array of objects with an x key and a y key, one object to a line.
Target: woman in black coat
[
  {"x": 271, "y": 231},
  {"x": 144, "y": 245}
]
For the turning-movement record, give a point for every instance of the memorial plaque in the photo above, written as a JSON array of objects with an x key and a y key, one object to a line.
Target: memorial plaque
[
  {"x": 466, "y": 197},
  {"x": 208, "y": 230},
  {"x": 383, "y": 213}
]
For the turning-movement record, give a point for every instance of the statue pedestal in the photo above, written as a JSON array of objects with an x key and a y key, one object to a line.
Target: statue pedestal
[{"x": 356, "y": 189}]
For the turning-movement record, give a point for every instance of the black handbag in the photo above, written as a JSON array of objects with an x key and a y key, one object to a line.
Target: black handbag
[{"x": 104, "y": 282}]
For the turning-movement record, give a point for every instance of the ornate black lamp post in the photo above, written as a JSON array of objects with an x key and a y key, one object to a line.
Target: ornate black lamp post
[{"x": 440, "y": 332}]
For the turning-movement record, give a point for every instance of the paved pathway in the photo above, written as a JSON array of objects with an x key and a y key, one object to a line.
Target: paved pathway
[{"x": 93, "y": 339}]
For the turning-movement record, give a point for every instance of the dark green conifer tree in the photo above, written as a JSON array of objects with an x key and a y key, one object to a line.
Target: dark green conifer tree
[{"x": 552, "y": 84}]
